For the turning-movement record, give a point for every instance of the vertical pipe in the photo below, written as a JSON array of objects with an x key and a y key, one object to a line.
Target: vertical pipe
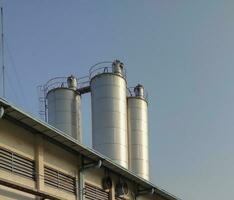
[
  {"x": 39, "y": 161},
  {"x": 81, "y": 178},
  {"x": 3, "y": 59}
]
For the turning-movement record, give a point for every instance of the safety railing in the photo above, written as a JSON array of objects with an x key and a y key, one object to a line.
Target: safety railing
[
  {"x": 103, "y": 67},
  {"x": 83, "y": 82},
  {"x": 131, "y": 93},
  {"x": 55, "y": 83}
]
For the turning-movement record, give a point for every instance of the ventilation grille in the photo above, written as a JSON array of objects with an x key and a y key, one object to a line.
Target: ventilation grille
[
  {"x": 17, "y": 164},
  {"x": 95, "y": 193},
  {"x": 60, "y": 180}
]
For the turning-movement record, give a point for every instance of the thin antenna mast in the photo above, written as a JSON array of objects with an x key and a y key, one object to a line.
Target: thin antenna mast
[{"x": 3, "y": 60}]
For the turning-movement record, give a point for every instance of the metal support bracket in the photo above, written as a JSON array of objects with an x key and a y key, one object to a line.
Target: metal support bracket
[
  {"x": 84, "y": 90},
  {"x": 91, "y": 165},
  {"x": 148, "y": 191},
  {"x": 2, "y": 111}
]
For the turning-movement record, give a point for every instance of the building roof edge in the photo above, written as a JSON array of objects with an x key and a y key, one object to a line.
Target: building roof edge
[{"x": 17, "y": 115}]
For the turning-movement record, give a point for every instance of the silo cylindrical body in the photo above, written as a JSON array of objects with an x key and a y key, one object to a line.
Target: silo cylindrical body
[
  {"x": 137, "y": 107},
  {"x": 64, "y": 110},
  {"x": 109, "y": 115}
]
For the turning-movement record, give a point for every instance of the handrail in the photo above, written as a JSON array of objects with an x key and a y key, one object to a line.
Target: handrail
[
  {"x": 54, "y": 83},
  {"x": 99, "y": 63},
  {"x": 131, "y": 93},
  {"x": 83, "y": 82},
  {"x": 99, "y": 68}
]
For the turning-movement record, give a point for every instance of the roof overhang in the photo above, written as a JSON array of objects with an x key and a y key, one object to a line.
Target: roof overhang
[{"x": 35, "y": 125}]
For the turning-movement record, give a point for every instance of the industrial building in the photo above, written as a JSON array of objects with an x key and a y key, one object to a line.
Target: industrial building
[{"x": 45, "y": 159}]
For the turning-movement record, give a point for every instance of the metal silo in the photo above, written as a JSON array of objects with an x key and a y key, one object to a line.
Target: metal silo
[
  {"x": 63, "y": 103},
  {"x": 138, "y": 132},
  {"x": 109, "y": 112}
]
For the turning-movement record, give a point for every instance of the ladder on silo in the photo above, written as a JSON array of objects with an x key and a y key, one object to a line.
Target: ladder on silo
[{"x": 42, "y": 103}]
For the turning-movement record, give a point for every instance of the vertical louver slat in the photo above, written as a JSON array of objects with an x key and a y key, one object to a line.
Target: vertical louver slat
[
  {"x": 60, "y": 180},
  {"x": 95, "y": 193},
  {"x": 17, "y": 164}
]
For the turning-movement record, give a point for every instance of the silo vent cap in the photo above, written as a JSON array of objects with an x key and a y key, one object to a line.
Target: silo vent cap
[
  {"x": 72, "y": 82},
  {"x": 117, "y": 63},
  {"x": 139, "y": 90},
  {"x": 118, "y": 67}
]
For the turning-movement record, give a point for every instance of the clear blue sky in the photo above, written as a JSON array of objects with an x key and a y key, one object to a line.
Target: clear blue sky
[{"x": 182, "y": 51}]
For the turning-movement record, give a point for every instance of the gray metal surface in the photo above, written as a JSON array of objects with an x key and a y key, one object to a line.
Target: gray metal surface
[
  {"x": 138, "y": 134},
  {"x": 64, "y": 111},
  {"x": 109, "y": 116}
]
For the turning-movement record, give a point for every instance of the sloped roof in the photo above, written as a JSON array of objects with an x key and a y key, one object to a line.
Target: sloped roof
[{"x": 18, "y": 116}]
